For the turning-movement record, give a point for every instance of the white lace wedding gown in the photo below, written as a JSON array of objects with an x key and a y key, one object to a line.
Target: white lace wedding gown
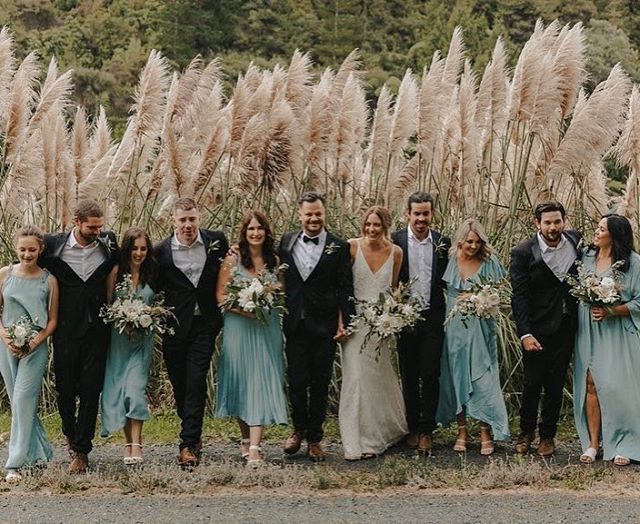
[{"x": 372, "y": 412}]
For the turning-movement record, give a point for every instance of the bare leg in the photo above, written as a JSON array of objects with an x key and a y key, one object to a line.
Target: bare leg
[
  {"x": 244, "y": 443},
  {"x": 592, "y": 408},
  {"x": 255, "y": 436},
  {"x": 127, "y": 438},
  {"x": 136, "y": 437},
  {"x": 486, "y": 440},
  {"x": 461, "y": 439}
]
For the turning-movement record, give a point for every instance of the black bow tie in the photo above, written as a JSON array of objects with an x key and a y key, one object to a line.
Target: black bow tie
[{"x": 306, "y": 239}]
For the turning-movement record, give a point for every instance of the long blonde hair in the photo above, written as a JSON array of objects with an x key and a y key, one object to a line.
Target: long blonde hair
[{"x": 469, "y": 225}]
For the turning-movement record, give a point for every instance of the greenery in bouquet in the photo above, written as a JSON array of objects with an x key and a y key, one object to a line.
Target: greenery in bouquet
[
  {"x": 129, "y": 314},
  {"x": 592, "y": 290},
  {"x": 21, "y": 333},
  {"x": 483, "y": 300},
  {"x": 391, "y": 312},
  {"x": 260, "y": 294}
]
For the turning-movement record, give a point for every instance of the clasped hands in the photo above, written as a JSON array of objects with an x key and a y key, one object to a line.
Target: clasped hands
[{"x": 599, "y": 313}]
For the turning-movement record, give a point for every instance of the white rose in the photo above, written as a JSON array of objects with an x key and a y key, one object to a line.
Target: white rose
[
  {"x": 20, "y": 332},
  {"x": 245, "y": 296},
  {"x": 145, "y": 321}
]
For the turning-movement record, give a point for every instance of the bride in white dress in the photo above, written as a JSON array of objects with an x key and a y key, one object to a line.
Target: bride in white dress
[{"x": 372, "y": 412}]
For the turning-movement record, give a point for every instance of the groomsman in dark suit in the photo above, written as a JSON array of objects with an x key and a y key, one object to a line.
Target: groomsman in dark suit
[
  {"x": 426, "y": 253},
  {"x": 319, "y": 291},
  {"x": 546, "y": 321},
  {"x": 188, "y": 262},
  {"x": 81, "y": 260}
]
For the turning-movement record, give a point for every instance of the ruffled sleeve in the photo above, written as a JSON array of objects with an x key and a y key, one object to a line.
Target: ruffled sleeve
[{"x": 492, "y": 269}]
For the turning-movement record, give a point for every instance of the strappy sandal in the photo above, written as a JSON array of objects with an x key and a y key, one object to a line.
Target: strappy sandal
[
  {"x": 460, "y": 445},
  {"x": 589, "y": 456},
  {"x": 255, "y": 463},
  {"x": 620, "y": 460},
  {"x": 139, "y": 459},
  {"x": 486, "y": 446},
  {"x": 368, "y": 456},
  {"x": 244, "y": 444}
]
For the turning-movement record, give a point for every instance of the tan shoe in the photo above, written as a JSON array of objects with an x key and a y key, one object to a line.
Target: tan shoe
[
  {"x": 411, "y": 440},
  {"x": 523, "y": 444},
  {"x": 79, "y": 464},
  {"x": 187, "y": 458},
  {"x": 546, "y": 447},
  {"x": 425, "y": 443},
  {"x": 315, "y": 452},
  {"x": 293, "y": 443}
]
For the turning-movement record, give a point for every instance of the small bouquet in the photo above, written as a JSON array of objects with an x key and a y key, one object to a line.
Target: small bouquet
[
  {"x": 593, "y": 290},
  {"x": 21, "y": 333},
  {"x": 131, "y": 315},
  {"x": 393, "y": 310},
  {"x": 482, "y": 300},
  {"x": 259, "y": 294}
]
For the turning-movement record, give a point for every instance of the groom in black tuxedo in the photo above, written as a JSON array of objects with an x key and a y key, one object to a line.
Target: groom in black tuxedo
[
  {"x": 425, "y": 257},
  {"x": 81, "y": 260},
  {"x": 319, "y": 291},
  {"x": 546, "y": 320},
  {"x": 188, "y": 262}
]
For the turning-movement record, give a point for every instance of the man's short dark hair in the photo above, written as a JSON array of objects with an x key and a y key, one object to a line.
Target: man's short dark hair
[
  {"x": 87, "y": 209},
  {"x": 548, "y": 207},
  {"x": 419, "y": 197},
  {"x": 311, "y": 197}
]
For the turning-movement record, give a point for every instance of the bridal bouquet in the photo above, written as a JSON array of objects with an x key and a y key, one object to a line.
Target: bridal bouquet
[
  {"x": 21, "y": 333},
  {"x": 393, "y": 310},
  {"x": 131, "y": 315},
  {"x": 260, "y": 294},
  {"x": 482, "y": 300},
  {"x": 593, "y": 290}
]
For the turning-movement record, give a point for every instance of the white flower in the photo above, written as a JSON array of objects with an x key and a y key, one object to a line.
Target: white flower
[
  {"x": 145, "y": 321},
  {"x": 249, "y": 306},
  {"x": 20, "y": 332}
]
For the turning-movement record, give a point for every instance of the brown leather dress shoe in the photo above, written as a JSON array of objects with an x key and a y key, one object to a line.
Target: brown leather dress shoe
[
  {"x": 411, "y": 440},
  {"x": 425, "y": 443},
  {"x": 546, "y": 447},
  {"x": 187, "y": 458},
  {"x": 315, "y": 452},
  {"x": 293, "y": 443},
  {"x": 524, "y": 443},
  {"x": 79, "y": 464}
]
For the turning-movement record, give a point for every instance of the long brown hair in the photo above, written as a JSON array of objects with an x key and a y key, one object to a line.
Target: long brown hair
[
  {"x": 268, "y": 251},
  {"x": 148, "y": 269}
]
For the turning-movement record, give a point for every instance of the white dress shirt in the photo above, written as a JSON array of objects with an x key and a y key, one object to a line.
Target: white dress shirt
[
  {"x": 190, "y": 260},
  {"x": 420, "y": 264},
  {"x": 306, "y": 255},
  {"x": 559, "y": 258},
  {"x": 84, "y": 260}
]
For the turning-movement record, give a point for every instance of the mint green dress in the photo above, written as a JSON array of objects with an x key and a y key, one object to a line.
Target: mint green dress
[
  {"x": 470, "y": 377},
  {"x": 611, "y": 350},
  {"x": 126, "y": 376},
  {"x": 251, "y": 370},
  {"x": 23, "y": 376}
]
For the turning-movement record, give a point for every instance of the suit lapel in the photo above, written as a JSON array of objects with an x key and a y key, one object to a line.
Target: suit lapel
[
  {"x": 288, "y": 247},
  {"x": 403, "y": 242},
  {"x": 435, "y": 240},
  {"x": 330, "y": 238},
  {"x": 535, "y": 250},
  {"x": 61, "y": 243}
]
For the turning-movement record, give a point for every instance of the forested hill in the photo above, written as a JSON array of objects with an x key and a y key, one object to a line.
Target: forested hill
[{"x": 107, "y": 42}]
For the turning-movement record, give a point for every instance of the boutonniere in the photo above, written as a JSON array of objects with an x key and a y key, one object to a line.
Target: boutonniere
[
  {"x": 213, "y": 247},
  {"x": 331, "y": 248},
  {"x": 440, "y": 246},
  {"x": 107, "y": 243},
  {"x": 581, "y": 244}
]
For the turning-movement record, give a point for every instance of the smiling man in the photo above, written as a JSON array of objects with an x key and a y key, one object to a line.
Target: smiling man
[
  {"x": 545, "y": 315},
  {"x": 426, "y": 254},
  {"x": 189, "y": 261}
]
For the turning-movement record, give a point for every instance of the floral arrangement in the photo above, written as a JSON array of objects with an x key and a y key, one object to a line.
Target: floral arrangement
[
  {"x": 482, "y": 300},
  {"x": 260, "y": 294},
  {"x": 131, "y": 315},
  {"x": 21, "y": 333},
  {"x": 593, "y": 290},
  {"x": 393, "y": 310}
]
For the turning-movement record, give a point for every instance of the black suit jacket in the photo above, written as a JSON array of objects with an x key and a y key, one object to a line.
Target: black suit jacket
[
  {"x": 539, "y": 297},
  {"x": 80, "y": 302},
  {"x": 441, "y": 245},
  {"x": 328, "y": 290},
  {"x": 181, "y": 294}
]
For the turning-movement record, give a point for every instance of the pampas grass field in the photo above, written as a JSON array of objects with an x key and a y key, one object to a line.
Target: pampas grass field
[{"x": 488, "y": 144}]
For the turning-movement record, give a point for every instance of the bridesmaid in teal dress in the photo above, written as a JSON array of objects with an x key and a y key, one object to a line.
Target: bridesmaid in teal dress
[
  {"x": 124, "y": 403},
  {"x": 27, "y": 291},
  {"x": 251, "y": 363},
  {"x": 606, "y": 385},
  {"x": 470, "y": 378}
]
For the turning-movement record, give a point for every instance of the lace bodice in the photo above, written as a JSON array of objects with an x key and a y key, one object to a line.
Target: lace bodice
[{"x": 367, "y": 285}]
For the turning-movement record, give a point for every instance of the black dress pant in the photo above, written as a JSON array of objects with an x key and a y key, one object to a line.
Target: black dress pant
[
  {"x": 310, "y": 359},
  {"x": 545, "y": 370},
  {"x": 188, "y": 361},
  {"x": 419, "y": 353},
  {"x": 79, "y": 365}
]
